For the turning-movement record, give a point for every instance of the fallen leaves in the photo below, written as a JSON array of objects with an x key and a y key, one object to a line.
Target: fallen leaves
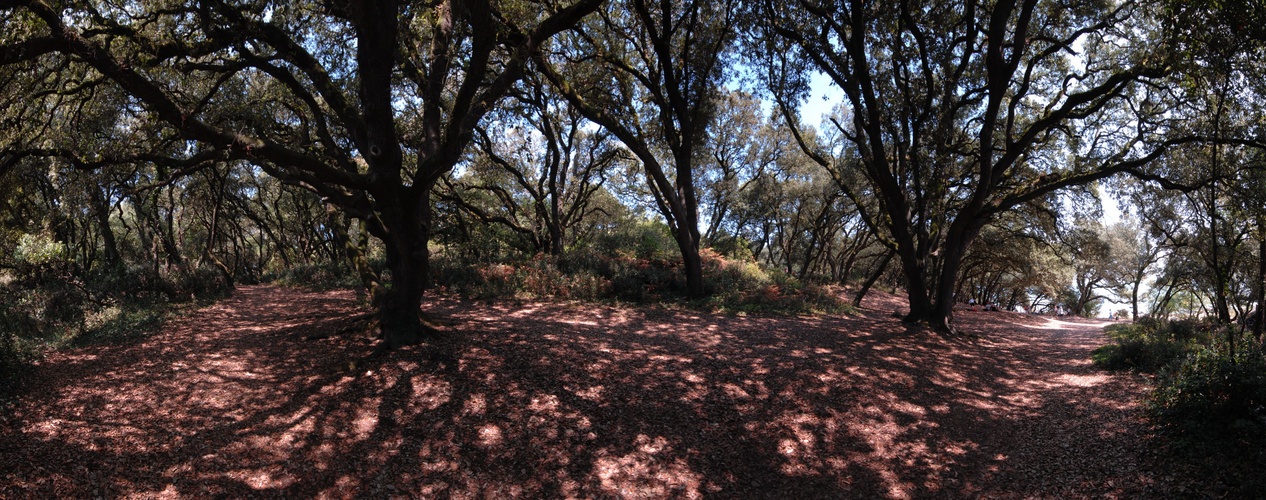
[{"x": 571, "y": 400}]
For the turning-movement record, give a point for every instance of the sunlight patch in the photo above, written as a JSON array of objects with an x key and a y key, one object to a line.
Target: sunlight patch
[{"x": 645, "y": 473}]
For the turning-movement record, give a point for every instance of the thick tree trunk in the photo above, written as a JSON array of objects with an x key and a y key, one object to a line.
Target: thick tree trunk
[
  {"x": 952, "y": 252},
  {"x": 939, "y": 315},
  {"x": 399, "y": 303},
  {"x": 915, "y": 272},
  {"x": 688, "y": 243}
]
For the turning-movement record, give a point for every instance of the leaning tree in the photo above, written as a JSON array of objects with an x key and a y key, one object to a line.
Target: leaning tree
[{"x": 366, "y": 103}]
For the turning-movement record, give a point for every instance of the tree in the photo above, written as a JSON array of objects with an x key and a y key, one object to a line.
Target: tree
[
  {"x": 648, "y": 73},
  {"x": 960, "y": 111},
  {"x": 1098, "y": 270},
  {"x": 1138, "y": 255},
  {"x": 551, "y": 165},
  {"x": 314, "y": 94}
]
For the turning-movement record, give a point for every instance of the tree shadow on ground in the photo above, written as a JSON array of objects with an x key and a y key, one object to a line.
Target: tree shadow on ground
[{"x": 551, "y": 399}]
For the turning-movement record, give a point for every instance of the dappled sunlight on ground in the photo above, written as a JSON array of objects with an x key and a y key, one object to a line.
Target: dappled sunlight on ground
[{"x": 550, "y": 399}]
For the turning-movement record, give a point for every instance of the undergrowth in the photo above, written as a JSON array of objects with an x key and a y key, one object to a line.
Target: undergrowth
[
  {"x": 732, "y": 285},
  {"x": 1148, "y": 345},
  {"x": 319, "y": 277},
  {"x": 1209, "y": 397},
  {"x": 45, "y": 306}
]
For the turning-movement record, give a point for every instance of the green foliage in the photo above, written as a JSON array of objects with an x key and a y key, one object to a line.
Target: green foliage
[
  {"x": 646, "y": 240},
  {"x": 121, "y": 323},
  {"x": 1144, "y": 355},
  {"x": 538, "y": 277},
  {"x": 1210, "y": 399},
  {"x": 1147, "y": 346},
  {"x": 324, "y": 276},
  {"x": 188, "y": 284},
  {"x": 742, "y": 285},
  {"x": 39, "y": 250},
  {"x": 42, "y": 310},
  {"x": 1211, "y": 408},
  {"x": 1214, "y": 391},
  {"x": 734, "y": 285}
]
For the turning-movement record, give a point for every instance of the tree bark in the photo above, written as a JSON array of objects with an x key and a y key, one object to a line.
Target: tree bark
[
  {"x": 1134, "y": 300},
  {"x": 873, "y": 277},
  {"x": 404, "y": 231},
  {"x": 692, "y": 263},
  {"x": 102, "y": 214},
  {"x": 916, "y": 284},
  {"x": 960, "y": 236}
]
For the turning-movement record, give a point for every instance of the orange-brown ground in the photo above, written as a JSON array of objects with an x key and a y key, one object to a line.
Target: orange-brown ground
[{"x": 555, "y": 399}]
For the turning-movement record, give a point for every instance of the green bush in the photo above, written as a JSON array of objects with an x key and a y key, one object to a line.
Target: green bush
[
  {"x": 538, "y": 277},
  {"x": 1186, "y": 330},
  {"x": 732, "y": 284},
  {"x": 1142, "y": 355},
  {"x": 1146, "y": 346},
  {"x": 317, "y": 277},
  {"x": 1213, "y": 390},
  {"x": 43, "y": 307},
  {"x": 742, "y": 285},
  {"x": 121, "y": 323}
]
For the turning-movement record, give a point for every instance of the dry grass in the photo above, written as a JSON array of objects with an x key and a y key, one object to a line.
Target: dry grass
[{"x": 568, "y": 400}]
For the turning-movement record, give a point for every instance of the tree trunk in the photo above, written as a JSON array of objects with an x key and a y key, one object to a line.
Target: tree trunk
[
  {"x": 953, "y": 249},
  {"x": 405, "y": 236},
  {"x": 916, "y": 283},
  {"x": 1134, "y": 300},
  {"x": 102, "y": 214},
  {"x": 873, "y": 277},
  {"x": 167, "y": 229},
  {"x": 208, "y": 254},
  {"x": 688, "y": 243}
]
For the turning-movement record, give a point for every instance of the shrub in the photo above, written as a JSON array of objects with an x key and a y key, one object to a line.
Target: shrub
[
  {"x": 121, "y": 323},
  {"x": 326, "y": 276},
  {"x": 186, "y": 284},
  {"x": 736, "y": 285},
  {"x": 1145, "y": 346},
  {"x": 540, "y": 276},
  {"x": 1142, "y": 355},
  {"x": 1212, "y": 391},
  {"x": 742, "y": 285},
  {"x": 44, "y": 307},
  {"x": 1186, "y": 330}
]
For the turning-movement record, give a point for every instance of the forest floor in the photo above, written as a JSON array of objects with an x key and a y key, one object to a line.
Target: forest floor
[{"x": 557, "y": 399}]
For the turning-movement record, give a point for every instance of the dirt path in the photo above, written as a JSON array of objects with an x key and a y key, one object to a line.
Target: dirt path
[{"x": 564, "y": 400}]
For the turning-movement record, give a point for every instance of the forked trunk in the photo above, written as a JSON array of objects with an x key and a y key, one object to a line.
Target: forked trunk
[{"x": 938, "y": 312}]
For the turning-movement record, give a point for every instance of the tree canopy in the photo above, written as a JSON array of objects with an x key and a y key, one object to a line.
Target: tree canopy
[{"x": 971, "y": 146}]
